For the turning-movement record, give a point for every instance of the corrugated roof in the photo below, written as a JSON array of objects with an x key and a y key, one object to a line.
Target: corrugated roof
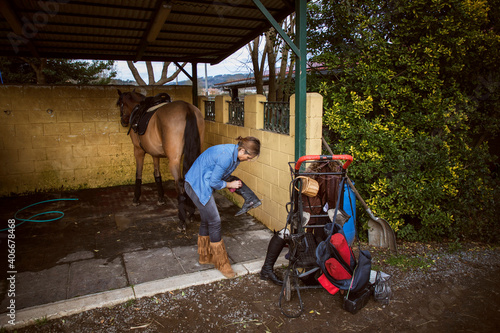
[{"x": 203, "y": 31}]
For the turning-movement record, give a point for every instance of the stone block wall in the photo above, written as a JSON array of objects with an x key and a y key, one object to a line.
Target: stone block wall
[
  {"x": 69, "y": 137},
  {"x": 269, "y": 176}
]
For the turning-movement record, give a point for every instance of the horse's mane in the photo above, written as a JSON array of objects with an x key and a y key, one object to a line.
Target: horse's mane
[{"x": 131, "y": 94}]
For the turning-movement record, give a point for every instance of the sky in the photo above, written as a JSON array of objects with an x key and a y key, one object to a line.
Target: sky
[{"x": 239, "y": 62}]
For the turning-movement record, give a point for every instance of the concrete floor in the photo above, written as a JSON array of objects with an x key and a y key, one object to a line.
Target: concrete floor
[{"x": 103, "y": 244}]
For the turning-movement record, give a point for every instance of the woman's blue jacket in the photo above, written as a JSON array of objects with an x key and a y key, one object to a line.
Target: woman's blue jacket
[{"x": 211, "y": 168}]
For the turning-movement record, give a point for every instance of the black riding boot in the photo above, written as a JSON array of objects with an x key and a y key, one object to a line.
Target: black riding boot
[
  {"x": 274, "y": 248},
  {"x": 251, "y": 200}
]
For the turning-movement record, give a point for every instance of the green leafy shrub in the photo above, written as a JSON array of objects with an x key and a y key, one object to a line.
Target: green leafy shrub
[{"x": 404, "y": 103}]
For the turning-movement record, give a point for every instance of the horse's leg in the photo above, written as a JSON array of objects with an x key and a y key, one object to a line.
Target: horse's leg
[
  {"x": 159, "y": 186},
  {"x": 186, "y": 206},
  {"x": 139, "y": 164},
  {"x": 175, "y": 170},
  {"x": 190, "y": 208}
]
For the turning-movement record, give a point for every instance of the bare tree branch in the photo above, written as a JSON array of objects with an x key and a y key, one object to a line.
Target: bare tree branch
[
  {"x": 271, "y": 59},
  {"x": 151, "y": 73},
  {"x": 285, "y": 73},
  {"x": 257, "y": 68},
  {"x": 164, "y": 70},
  {"x": 135, "y": 73},
  {"x": 273, "y": 47},
  {"x": 151, "y": 78},
  {"x": 164, "y": 79}
]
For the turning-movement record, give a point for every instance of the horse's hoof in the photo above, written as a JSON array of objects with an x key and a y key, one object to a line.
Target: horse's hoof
[
  {"x": 135, "y": 204},
  {"x": 181, "y": 227},
  {"x": 161, "y": 202}
]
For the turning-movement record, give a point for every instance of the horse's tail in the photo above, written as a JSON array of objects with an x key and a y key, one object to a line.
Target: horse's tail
[{"x": 192, "y": 145}]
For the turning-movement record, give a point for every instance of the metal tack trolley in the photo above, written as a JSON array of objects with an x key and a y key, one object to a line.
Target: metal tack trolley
[{"x": 299, "y": 234}]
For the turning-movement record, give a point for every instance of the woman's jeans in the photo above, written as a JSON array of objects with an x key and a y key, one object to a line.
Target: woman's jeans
[{"x": 210, "y": 224}]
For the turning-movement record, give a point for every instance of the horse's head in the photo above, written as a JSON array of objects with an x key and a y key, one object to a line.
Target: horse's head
[{"x": 126, "y": 102}]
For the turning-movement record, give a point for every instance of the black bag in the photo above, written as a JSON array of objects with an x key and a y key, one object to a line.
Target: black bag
[
  {"x": 337, "y": 261},
  {"x": 353, "y": 302},
  {"x": 362, "y": 271},
  {"x": 338, "y": 264}
]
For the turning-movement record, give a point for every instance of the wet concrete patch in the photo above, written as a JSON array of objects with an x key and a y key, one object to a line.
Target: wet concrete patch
[
  {"x": 237, "y": 252},
  {"x": 110, "y": 242},
  {"x": 46, "y": 286},
  {"x": 188, "y": 258},
  {"x": 96, "y": 275},
  {"x": 255, "y": 240},
  {"x": 149, "y": 265},
  {"x": 82, "y": 255},
  {"x": 123, "y": 222}
]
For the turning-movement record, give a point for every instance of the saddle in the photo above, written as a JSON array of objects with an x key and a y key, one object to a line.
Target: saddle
[{"x": 142, "y": 113}]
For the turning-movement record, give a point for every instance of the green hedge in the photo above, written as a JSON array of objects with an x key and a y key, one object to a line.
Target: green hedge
[{"x": 414, "y": 98}]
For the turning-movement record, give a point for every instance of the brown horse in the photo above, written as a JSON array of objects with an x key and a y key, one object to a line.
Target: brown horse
[{"x": 175, "y": 130}]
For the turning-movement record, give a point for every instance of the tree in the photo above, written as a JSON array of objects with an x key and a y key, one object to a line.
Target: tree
[
  {"x": 56, "y": 71},
  {"x": 151, "y": 76},
  {"x": 258, "y": 67},
  {"x": 413, "y": 96},
  {"x": 284, "y": 83},
  {"x": 275, "y": 50}
]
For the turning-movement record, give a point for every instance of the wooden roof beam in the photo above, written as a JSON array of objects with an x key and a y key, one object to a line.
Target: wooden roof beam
[
  {"x": 18, "y": 36},
  {"x": 163, "y": 8}
]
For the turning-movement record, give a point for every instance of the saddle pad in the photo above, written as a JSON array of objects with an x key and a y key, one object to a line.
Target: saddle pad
[
  {"x": 331, "y": 288},
  {"x": 142, "y": 125},
  {"x": 336, "y": 270},
  {"x": 340, "y": 243},
  {"x": 142, "y": 113}
]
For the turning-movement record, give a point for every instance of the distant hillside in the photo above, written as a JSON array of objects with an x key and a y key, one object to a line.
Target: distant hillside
[
  {"x": 123, "y": 82},
  {"x": 212, "y": 80}
]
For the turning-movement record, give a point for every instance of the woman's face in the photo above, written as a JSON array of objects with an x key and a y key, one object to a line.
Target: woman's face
[{"x": 243, "y": 155}]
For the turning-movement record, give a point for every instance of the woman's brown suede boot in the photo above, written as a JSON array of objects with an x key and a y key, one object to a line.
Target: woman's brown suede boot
[
  {"x": 204, "y": 250},
  {"x": 221, "y": 261}
]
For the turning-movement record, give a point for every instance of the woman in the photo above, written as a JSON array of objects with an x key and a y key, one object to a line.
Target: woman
[{"x": 208, "y": 173}]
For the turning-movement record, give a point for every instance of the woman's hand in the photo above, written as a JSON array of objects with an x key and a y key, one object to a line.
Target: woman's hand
[{"x": 234, "y": 184}]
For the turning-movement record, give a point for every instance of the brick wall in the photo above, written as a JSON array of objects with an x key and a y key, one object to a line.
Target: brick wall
[{"x": 68, "y": 137}]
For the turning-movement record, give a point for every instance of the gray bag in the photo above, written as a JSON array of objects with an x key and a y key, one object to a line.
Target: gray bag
[{"x": 382, "y": 291}]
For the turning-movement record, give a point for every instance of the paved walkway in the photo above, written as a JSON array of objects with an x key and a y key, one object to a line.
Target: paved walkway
[{"x": 104, "y": 251}]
